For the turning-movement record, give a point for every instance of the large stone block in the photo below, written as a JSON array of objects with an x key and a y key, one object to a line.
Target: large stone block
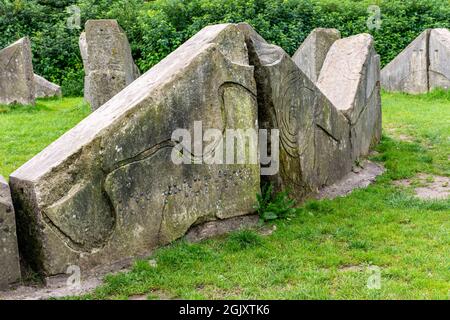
[
  {"x": 408, "y": 72},
  {"x": 350, "y": 78},
  {"x": 16, "y": 73},
  {"x": 9, "y": 254},
  {"x": 107, "y": 59},
  {"x": 45, "y": 88},
  {"x": 422, "y": 66},
  {"x": 314, "y": 136},
  {"x": 439, "y": 51},
  {"x": 313, "y": 51},
  {"x": 108, "y": 189}
]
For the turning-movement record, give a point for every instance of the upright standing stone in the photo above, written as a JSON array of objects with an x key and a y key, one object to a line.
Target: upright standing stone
[
  {"x": 350, "y": 78},
  {"x": 9, "y": 255},
  {"x": 314, "y": 137},
  {"x": 408, "y": 72},
  {"x": 313, "y": 51},
  {"x": 45, "y": 88},
  {"x": 108, "y": 189},
  {"x": 16, "y": 73},
  {"x": 439, "y": 72},
  {"x": 107, "y": 60}
]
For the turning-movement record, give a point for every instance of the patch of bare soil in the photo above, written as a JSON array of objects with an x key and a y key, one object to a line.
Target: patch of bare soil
[
  {"x": 156, "y": 295},
  {"x": 65, "y": 284},
  {"x": 361, "y": 177},
  {"x": 54, "y": 289},
  {"x": 405, "y": 138},
  {"x": 394, "y": 132},
  {"x": 428, "y": 187}
]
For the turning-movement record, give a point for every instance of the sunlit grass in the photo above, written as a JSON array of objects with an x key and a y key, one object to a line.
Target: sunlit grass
[{"x": 26, "y": 130}]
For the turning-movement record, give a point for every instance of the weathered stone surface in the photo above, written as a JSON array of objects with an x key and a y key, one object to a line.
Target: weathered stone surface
[
  {"x": 16, "y": 73},
  {"x": 350, "y": 78},
  {"x": 408, "y": 72},
  {"x": 439, "y": 51},
  {"x": 107, "y": 60},
  {"x": 220, "y": 227},
  {"x": 314, "y": 136},
  {"x": 45, "y": 89},
  {"x": 9, "y": 254},
  {"x": 422, "y": 66},
  {"x": 361, "y": 178},
  {"x": 108, "y": 189},
  {"x": 313, "y": 51}
]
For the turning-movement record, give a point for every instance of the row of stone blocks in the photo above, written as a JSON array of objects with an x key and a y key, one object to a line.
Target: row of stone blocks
[
  {"x": 108, "y": 190},
  {"x": 18, "y": 83}
]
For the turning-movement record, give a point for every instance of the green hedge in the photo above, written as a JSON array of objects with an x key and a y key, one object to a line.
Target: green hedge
[{"x": 156, "y": 28}]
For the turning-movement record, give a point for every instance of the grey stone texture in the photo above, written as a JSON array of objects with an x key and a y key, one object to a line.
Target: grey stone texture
[
  {"x": 107, "y": 60},
  {"x": 422, "y": 66},
  {"x": 312, "y": 53},
  {"x": 9, "y": 254},
  {"x": 314, "y": 136},
  {"x": 439, "y": 70},
  {"x": 408, "y": 72},
  {"x": 350, "y": 78},
  {"x": 16, "y": 73},
  {"x": 108, "y": 190},
  {"x": 45, "y": 89}
]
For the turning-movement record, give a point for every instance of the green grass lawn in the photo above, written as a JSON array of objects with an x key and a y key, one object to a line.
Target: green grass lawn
[
  {"x": 327, "y": 250},
  {"x": 25, "y": 131}
]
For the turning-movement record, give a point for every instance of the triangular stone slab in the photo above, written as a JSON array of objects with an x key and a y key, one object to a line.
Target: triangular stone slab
[
  {"x": 350, "y": 78},
  {"x": 16, "y": 73},
  {"x": 45, "y": 88},
  {"x": 408, "y": 72},
  {"x": 311, "y": 55},
  {"x": 314, "y": 148},
  {"x": 108, "y": 190},
  {"x": 422, "y": 66}
]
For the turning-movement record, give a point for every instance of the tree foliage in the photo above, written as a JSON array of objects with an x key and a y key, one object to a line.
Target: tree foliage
[{"x": 156, "y": 28}]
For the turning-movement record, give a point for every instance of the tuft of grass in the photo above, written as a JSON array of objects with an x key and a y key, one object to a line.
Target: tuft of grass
[
  {"x": 319, "y": 207},
  {"x": 244, "y": 239}
]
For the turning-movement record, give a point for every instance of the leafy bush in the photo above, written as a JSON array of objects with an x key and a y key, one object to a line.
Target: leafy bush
[
  {"x": 156, "y": 28},
  {"x": 272, "y": 206}
]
